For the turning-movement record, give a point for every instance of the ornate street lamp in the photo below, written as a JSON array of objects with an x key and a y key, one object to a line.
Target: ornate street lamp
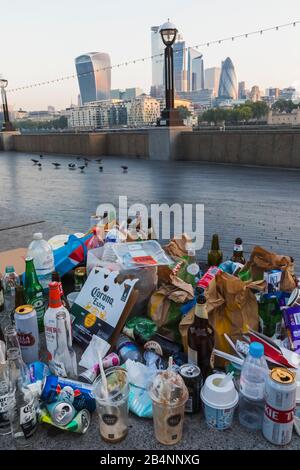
[
  {"x": 7, "y": 125},
  {"x": 169, "y": 116}
]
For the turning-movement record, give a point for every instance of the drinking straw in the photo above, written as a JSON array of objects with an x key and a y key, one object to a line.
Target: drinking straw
[
  {"x": 226, "y": 379},
  {"x": 170, "y": 364},
  {"x": 103, "y": 376},
  {"x": 233, "y": 346},
  {"x": 229, "y": 357}
]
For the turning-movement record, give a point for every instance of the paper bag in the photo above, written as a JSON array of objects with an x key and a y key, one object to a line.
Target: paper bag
[
  {"x": 165, "y": 304},
  {"x": 232, "y": 308},
  {"x": 177, "y": 246},
  {"x": 262, "y": 260}
]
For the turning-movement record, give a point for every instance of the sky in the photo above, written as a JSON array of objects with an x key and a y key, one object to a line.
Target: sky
[{"x": 40, "y": 40}]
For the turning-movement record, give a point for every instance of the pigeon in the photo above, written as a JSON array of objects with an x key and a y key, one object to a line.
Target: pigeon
[
  {"x": 34, "y": 161},
  {"x": 72, "y": 166},
  {"x": 39, "y": 165},
  {"x": 125, "y": 168},
  {"x": 99, "y": 160},
  {"x": 81, "y": 168},
  {"x": 57, "y": 165},
  {"x": 41, "y": 156},
  {"x": 100, "y": 168}
]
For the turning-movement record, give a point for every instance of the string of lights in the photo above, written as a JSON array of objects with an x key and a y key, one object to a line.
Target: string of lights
[{"x": 143, "y": 59}]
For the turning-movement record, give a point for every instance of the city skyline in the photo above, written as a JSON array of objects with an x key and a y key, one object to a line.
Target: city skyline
[{"x": 255, "y": 59}]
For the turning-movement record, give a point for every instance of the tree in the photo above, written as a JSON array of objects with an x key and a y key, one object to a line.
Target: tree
[
  {"x": 284, "y": 105},
  {"x": 245, "y": 113},
  {"x": 60, "y": 123},
  {"x": 259, "y": 109},
  {"x": 184, "y": 112}
]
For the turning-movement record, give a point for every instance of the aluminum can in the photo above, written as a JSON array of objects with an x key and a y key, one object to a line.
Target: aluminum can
[
  {"x": 280, "y": 406},
  {"x": 28, "y": 332},
  {"x": 193, "y": 380},
  {"x": 112, "y": 360},
  {"x": 89, "y": 375},
  {"x": 79, "y": 278},
  {"x": 60, "y": 388},
  {"x": 62, "y": 412}
]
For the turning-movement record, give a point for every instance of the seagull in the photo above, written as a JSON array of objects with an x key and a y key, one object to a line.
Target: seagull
[
  {"x": 57, "y": 165},
  {"x": 41, "y": 156},
  {"x": 100, "y": 168},
  {"x": 82, "y": 168},
  {"x": 34, "y": 161},
  {"x": 125, "y": 168}
]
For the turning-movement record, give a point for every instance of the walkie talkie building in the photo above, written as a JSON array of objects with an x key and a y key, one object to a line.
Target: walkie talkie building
[{"x": 94, "y": 76}]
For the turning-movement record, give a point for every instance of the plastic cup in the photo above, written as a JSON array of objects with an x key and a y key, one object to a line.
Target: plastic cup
[
  {"x": 72, "y": 297},
  {"x": 169, "y": 396},
  {"x": 219, "y": 402},
  {"x": 112, "y": 407}
]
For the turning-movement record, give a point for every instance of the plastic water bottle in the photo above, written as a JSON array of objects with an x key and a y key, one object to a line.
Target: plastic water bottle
[
  {"x": 127, "y": 349},
  {"x": 43, "y": 259},
  {"x": 252, "y": 388}
]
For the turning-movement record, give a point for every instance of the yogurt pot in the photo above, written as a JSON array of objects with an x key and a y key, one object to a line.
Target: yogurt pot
[{"x": 219, "y": 401}]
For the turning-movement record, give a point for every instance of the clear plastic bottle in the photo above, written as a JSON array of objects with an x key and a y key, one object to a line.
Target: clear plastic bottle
[
  {"x": 43, "y": 259},
  {"x": 127, "y": 349},
  {"x": 23, "y": 405},
  {"x": 252, "y": 388}
]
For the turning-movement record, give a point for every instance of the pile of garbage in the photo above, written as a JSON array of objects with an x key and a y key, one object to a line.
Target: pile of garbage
[{"x": 112, "y": 321}]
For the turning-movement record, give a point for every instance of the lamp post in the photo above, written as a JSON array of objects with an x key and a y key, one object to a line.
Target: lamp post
[
  {"x": 7, "y": 125},
  {"x": 170, "y": 115}
]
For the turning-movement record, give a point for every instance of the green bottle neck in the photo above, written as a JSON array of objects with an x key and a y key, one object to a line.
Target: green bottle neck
[{"x": 215, "y": 243}]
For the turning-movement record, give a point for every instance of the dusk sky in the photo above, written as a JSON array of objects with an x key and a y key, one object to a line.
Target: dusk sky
[{"x": 40, "y": 40}]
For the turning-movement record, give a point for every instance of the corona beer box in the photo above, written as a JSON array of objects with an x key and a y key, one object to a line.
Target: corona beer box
[{"x": 102, "y": 307}]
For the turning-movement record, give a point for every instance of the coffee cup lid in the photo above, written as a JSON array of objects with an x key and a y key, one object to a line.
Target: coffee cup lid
[{"x": 217, "y": 396}]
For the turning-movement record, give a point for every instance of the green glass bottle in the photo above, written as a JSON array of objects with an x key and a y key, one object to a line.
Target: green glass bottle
[
  {"x": 215, "y": 255},
  {"x": 34, "y": 292}
]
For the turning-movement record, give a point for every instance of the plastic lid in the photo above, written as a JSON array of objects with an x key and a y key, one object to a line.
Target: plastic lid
[
  {"x": 168, "y": 388},
  {"x": 38, "y": 236},
  {"x": 256, "y": 349},
  {"x": 9, "y": 269}
]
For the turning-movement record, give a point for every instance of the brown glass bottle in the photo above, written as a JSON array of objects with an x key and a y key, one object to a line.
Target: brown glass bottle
[
  {"x": 238, "y": 252},
  {"x": 215, "y": 255},
  {"x": 201, "y": 339},
  {"x": 64, "y": 300}
]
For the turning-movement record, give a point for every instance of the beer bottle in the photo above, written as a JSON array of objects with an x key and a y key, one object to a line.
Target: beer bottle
[
  {"x": 201, "y": 339},
  {"x": 64, "y": 300},
  {"x": 238, "y": 253},
  {"x": 215, "y": 255},
  {"x": 192, "y": 268},
  {"x": 34, "y": 292}
]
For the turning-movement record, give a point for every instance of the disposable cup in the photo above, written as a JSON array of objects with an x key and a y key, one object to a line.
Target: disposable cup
[
  {"x": 112, "y": 407},
  {"x": 219, "y": 402},
  {"x": 168, "y": 412}
]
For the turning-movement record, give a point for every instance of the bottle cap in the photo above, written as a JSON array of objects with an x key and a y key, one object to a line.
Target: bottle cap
[
  {"x": 256, "y": 349},
  {"x": 9, "y": 269},
  {"x": 38, "y": 236}
]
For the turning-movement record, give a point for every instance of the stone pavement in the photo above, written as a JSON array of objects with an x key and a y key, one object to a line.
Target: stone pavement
[{"x": 259, "y": 204}]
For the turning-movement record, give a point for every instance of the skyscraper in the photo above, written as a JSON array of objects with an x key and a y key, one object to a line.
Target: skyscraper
[
  {"x": 180, "y": 64},
  {"x": 212, "y": 79},
  {"x": 95, "y": 85},
  {"x": 228, "y": 81},
  {"x": 195, "y": 70},
  {"x": 242, "y": 91},
  {"x": 157, "y": 48}
]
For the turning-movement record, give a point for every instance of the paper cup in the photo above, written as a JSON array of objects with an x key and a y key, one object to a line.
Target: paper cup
[{"x": 219, "y": 403}]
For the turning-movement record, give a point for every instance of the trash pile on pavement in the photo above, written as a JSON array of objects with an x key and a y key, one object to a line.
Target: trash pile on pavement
[{"x": 154, "y": 334}]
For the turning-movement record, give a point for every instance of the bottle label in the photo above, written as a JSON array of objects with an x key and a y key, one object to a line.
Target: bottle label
[
  {"x": 3, "y": 404},
  {"x": 59, "y": 368},
  {"x": 238, "y": 248},
  {"x": 193, "y": 269},
  {"x": 28, "y": 419},
  {"x": 192, "y": 356},
  {"x": 252, "y": 390},
  {"x": 201, "y": 311}
]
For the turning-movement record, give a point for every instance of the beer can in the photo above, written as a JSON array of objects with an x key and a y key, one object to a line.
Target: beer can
[
  {"x": 28, "y": 333},
  {"x": 279, "y": 407},
  {"x": 54, "y": 387},
  {"x": 79, "y": 278},
  {"x": 80, "y": 423},
  {"x": 192, "y": 377},
  {"x": 61, "y": 412}
]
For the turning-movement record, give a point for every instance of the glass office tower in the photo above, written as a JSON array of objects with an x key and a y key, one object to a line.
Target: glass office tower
[{"x": 94, "y": 76}]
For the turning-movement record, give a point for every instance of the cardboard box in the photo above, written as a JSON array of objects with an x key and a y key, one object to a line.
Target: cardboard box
[{"x": 13, "y": 257}]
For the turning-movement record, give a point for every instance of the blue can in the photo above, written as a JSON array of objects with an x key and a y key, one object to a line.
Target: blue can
[{"x": 60, "y": 388}]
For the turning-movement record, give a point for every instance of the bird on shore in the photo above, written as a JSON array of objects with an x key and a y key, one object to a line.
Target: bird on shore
[
  {"x": 82, "y": 168},
  {"x": 124, "y": 168},
  {"x": 100, "y": 168},
  {"x": 72, "y": 166},
  {"x": 57, "y": 165},
  {"x": 39, "y": 165},
  {"x": 41, "y": 156},
  {"x": 34, "y": 161},
  {"x": 86, "y": 160}
]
